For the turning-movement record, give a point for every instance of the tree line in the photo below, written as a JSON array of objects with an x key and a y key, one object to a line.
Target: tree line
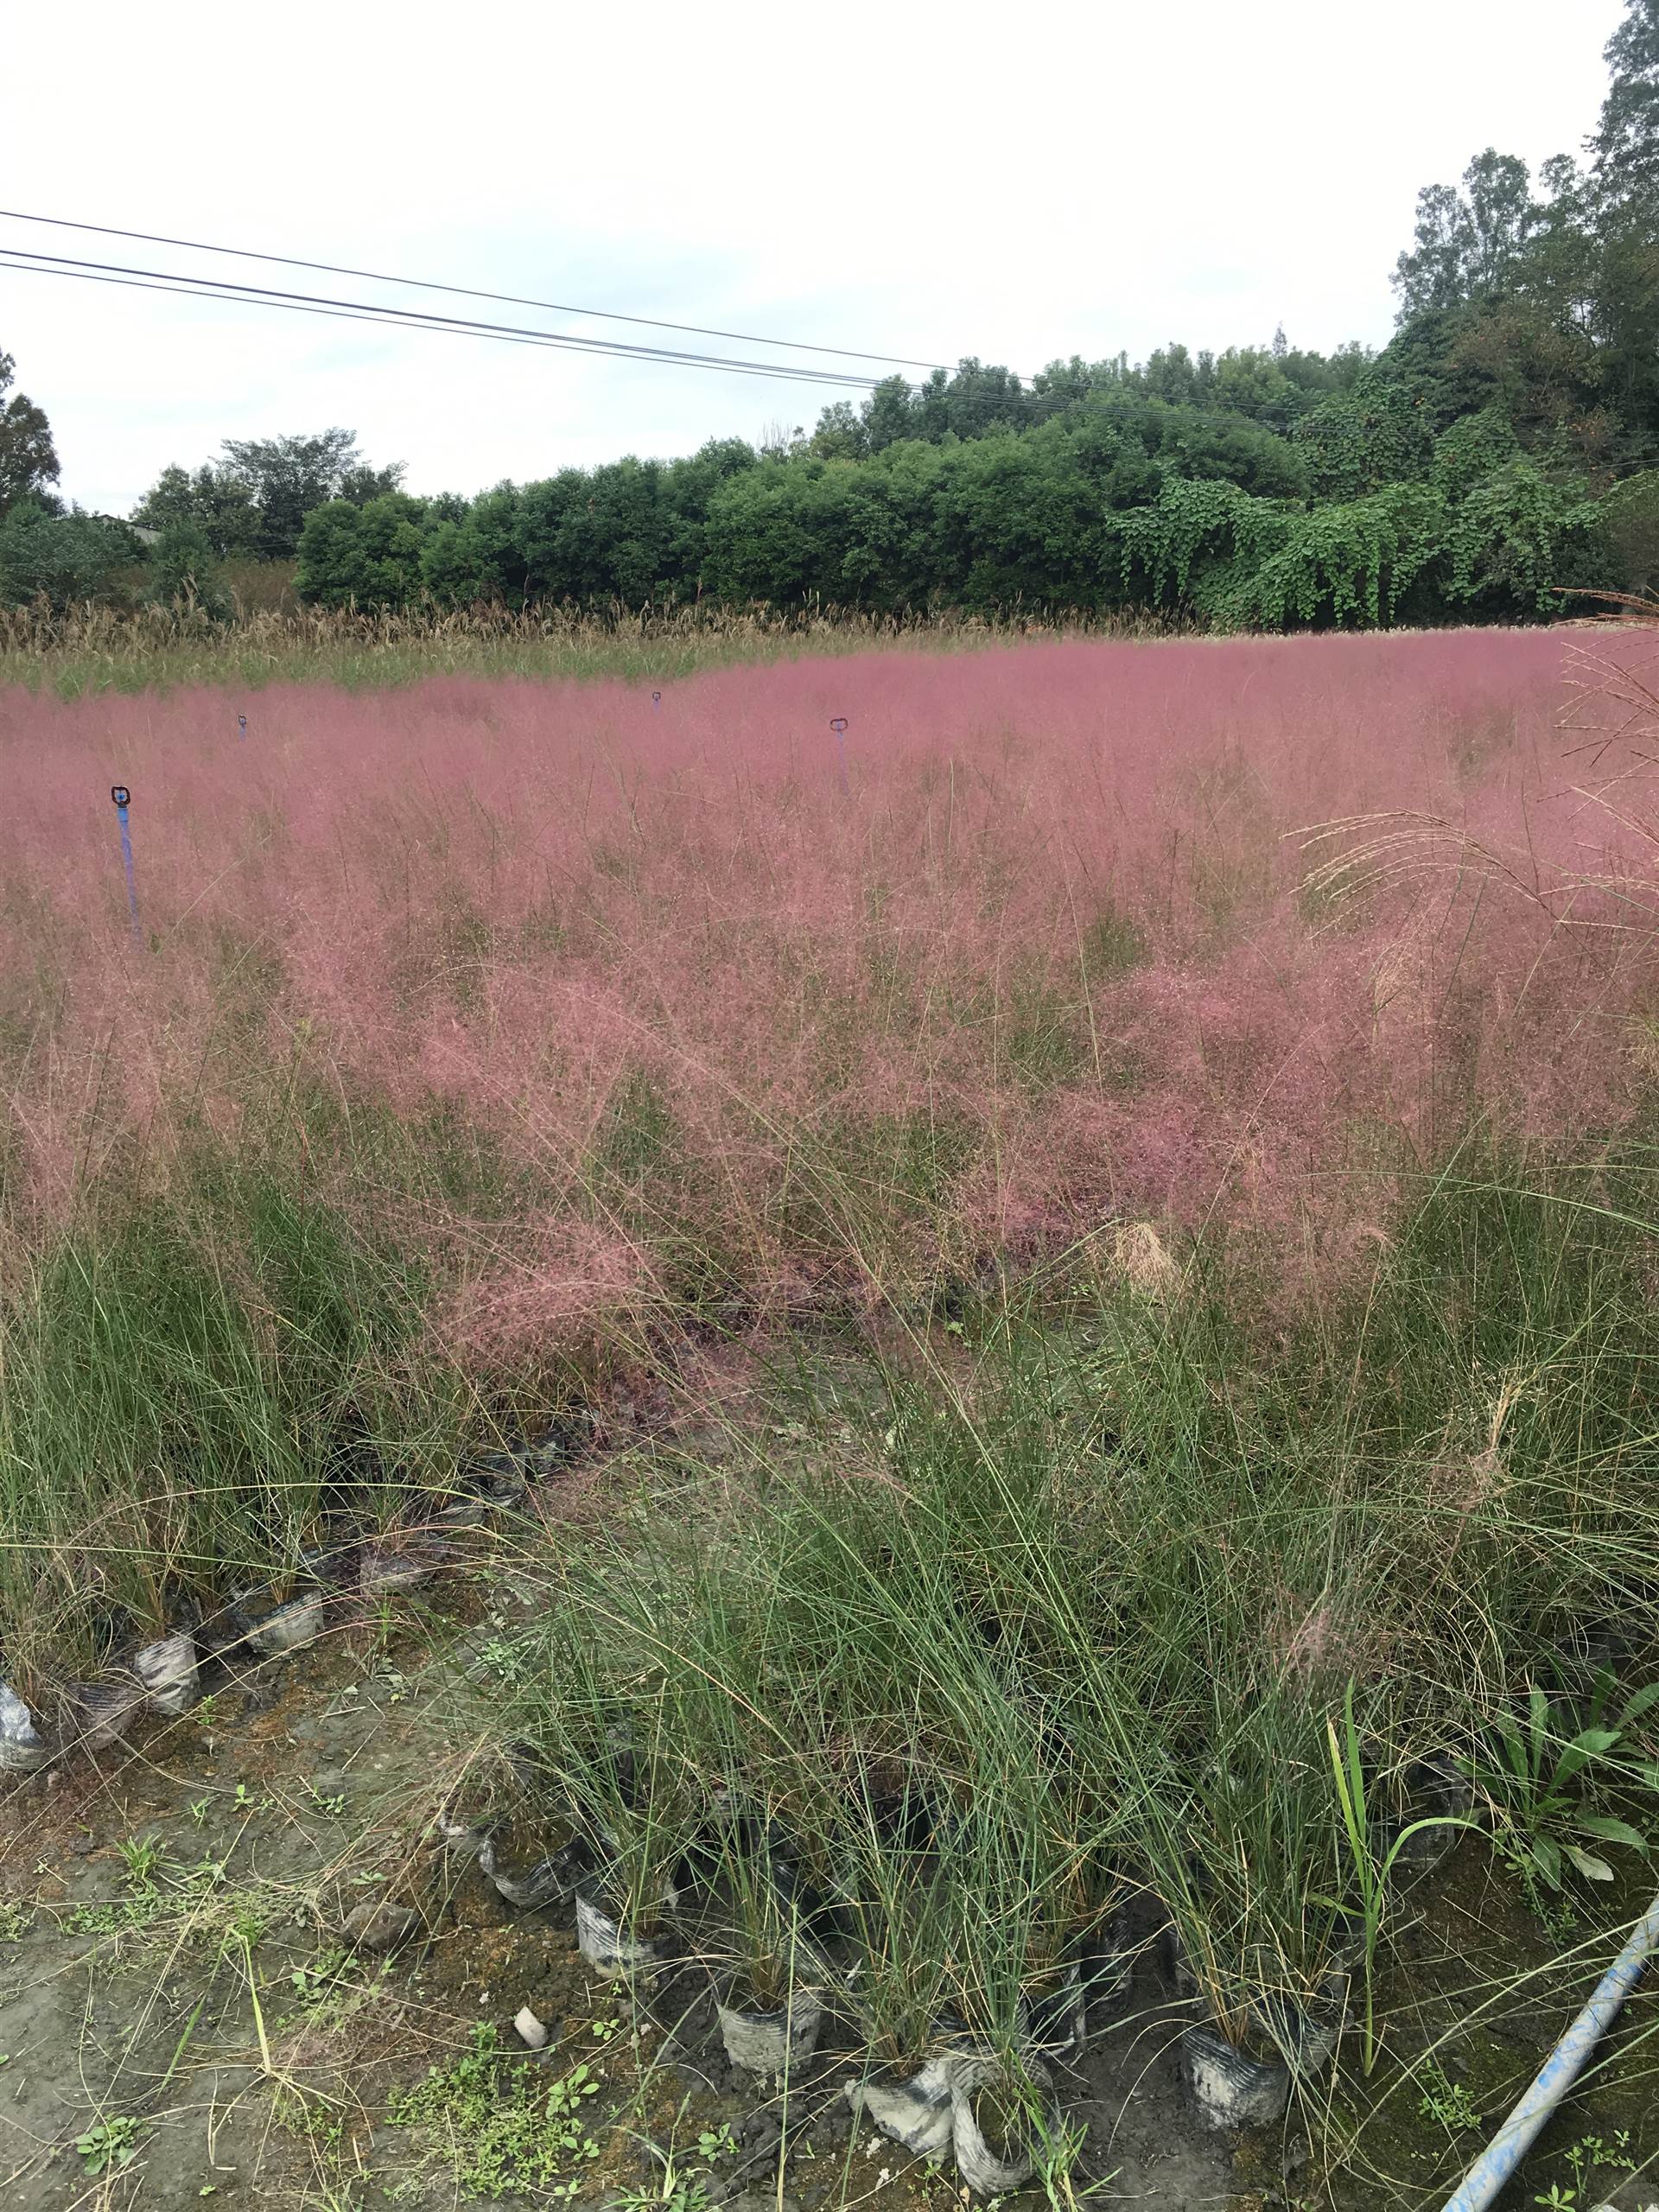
[{"x": 1502, "y": 448}]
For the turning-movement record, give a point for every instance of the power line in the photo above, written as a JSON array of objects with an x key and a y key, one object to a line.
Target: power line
[
  {"x": 467, "y": 291},
  {"x": 216, "y": 288}
]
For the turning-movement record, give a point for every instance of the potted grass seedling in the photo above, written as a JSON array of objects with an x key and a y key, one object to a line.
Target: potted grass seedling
[
  {"x": 770, "y": 2006},
  {"x": 149, "y": 1539},
  {"x": 1019, "y": 1989},
  {"x": 287, "y": 1613},
  {"x": 22, "y": 1747},
  {"x": 1265, "y": 1958},
  {"x": 637, "y": 1839},
  {"x": 1081, "y": 1954},
  {"x": 165, "y": 1660},
  {"x": 903, "y": 1990},
  {"x": 1241, "y": 1853},
  {"x": 67, "y": 1666},
  {"x": 606, "y": 1747},
  {"x": 1002, "y": 2111}
]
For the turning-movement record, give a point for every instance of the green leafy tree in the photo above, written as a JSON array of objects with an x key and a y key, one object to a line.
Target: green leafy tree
[
  {"x": 28, "y": 459},
  {"x": 474, "y": 557},
  {"x": 1470, "y": 244},
  {"x": 841, "y": 435},
  {"x": 1629, "y": 520},
  {"x": 1625, "y": 175},
  {"x": 363, "y": 556},
  {"x": 1517, "y": 539},
  {"x": 288, "y": 477},
  {"x": 63, "y": 560},
  {"x": 1625, "y": 149},
  {"x": 1347, "y": 562},
  {"x": 1199, "y": 543},
  {"x": 1380, "y": 432},
  {"x": 213, "y": 500},
  {"x": 360, "y": 484},
  {"x": 184, "y": 570}
]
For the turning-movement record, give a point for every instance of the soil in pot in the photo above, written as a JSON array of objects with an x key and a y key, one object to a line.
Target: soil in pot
[{"x": 771, "y": 2040}]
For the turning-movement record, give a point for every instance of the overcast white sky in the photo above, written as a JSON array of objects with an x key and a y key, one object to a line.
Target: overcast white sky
[{"x": 924, "y": 181}]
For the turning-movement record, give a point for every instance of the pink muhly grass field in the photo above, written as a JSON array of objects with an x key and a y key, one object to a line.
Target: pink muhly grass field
[{"x": 1049, "y": 961}]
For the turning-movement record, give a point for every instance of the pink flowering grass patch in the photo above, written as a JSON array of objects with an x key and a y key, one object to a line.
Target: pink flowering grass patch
[{"x": 608, "y": 1006}]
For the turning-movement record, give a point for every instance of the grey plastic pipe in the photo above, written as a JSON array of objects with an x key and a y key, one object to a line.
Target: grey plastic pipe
[{"x": 1560, "y": 2069}]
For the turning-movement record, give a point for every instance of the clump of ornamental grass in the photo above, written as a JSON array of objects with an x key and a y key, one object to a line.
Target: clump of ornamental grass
[
  {"x": 1075, "y": 1602},
  {"x": 200, "y": 1388}
]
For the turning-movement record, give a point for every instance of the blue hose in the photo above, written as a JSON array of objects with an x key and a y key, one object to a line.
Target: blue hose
[{"x": 1560, "y": 2069}]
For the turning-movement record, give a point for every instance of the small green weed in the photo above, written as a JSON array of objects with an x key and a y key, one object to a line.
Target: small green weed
[
  {"x": 318, "y": 1979},
  {"x": 678, "y": 2189},
  {"x": 1532, "y": 1772},
  {"x": 141, "y": 1856},
  {"x": 1444, "y": 2100},
  {"x": 1588, "y": 2157},
  {"x": 506, "y": 2127},
  {"x": 110, "y": 2144}
]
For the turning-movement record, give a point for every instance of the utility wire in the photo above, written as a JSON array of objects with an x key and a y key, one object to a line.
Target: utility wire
[
  {"x": 215, "y": 288},
  {"x": 467, "y": 291}
]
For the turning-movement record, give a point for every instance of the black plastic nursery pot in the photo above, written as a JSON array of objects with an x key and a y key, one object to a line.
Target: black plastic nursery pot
[
  {"x": 913, "y": 2110},
  {"x": 817, "y": 1915},
  {"x": 97, "y": 1714},
  {"x": 1078, "y": 1993},
  {"x": 773, "y": 2041},
  {"x": 994, "y": 2134},
  {"x": 1055, "y": 2015},
  {"x": 274, "y": 1627},
  {"x": 1434, "y": 1791},
  {"x": 22, "y": 1747},
  {"x": 531, "y": 1879},
  {"x": 386, "y": 1565},
  {"x": 1229, "y": 2087},
  {"x": 1234, "y": 2088},
  {"x": 169, "y": 1670},
  {"x": 612, "y": 1950},
  {"x": 1105, "y": 1958},
  {"x": 491, "y": 1482}
]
